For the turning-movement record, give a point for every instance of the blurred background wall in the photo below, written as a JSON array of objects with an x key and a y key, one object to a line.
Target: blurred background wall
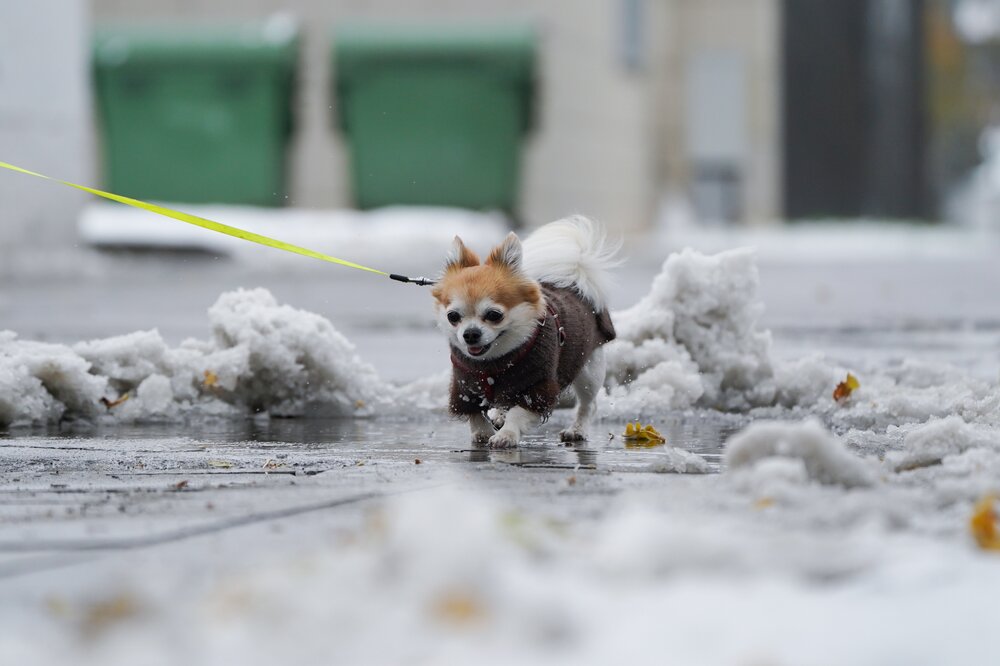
[{"x": 45, "y": 116}]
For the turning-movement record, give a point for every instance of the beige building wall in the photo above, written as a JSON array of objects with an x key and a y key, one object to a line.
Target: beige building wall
[
  {"x": 594, "y": 150},
  {"x": 746, "y": 33},
  {"x": 44, "y": 120}
]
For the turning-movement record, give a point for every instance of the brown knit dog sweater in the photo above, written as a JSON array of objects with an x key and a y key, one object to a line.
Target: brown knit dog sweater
[{"x": 533, "y": 375}]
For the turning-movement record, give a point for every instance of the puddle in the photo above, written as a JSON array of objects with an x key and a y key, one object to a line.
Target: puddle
[{"x": 315, "y": 443}]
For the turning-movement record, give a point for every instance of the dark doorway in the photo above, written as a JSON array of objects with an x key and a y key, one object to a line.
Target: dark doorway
[{"x": 854, "y": 128}]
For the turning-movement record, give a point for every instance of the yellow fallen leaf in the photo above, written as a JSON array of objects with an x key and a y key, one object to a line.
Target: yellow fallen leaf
[
  {"x": 846, "y": 388},
  {"x": 211, "y": 379},
  {"x": 221, "y": 464},
  {"x": 640, "y": 436},
  {"x": 458, "y": 607},
  {"x": 763, "y": 503},
  {"x": 983, "y": 524}
]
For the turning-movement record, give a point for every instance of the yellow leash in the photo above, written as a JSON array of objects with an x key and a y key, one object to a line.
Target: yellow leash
[{"x": 219, "y": 227}]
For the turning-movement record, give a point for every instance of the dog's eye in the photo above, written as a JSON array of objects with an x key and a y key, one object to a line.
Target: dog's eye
[
  {"x": 454, "y": 317},
  {"x": 493, "y": 316}
]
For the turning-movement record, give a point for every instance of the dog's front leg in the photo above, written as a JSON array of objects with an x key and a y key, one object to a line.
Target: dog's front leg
[
  {"x": 482, "y": 428},
  {"x": 517, "y": 421},
  {"x": 497, "y": 415}
]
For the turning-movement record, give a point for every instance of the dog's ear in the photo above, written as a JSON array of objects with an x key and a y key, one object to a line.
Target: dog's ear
[
  {"x": 460, "y": 256},
  {"x": 508, "y": 253}
]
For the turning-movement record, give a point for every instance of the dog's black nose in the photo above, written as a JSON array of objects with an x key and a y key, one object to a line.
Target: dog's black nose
[{"x": 472, "y": 335}]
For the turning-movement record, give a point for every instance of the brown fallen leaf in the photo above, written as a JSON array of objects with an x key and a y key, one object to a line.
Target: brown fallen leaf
[
  {"x": 571, "y": 481},
  {"x": 417, "y": 461},
  {"x": 100, "y": 615},
  {"x": 846, "y": 388},
  {"x": 180, "y": 485},
  {"x": 114, "y": 403},
  {"x": 273, "y": 464},
  {"x": 983, "y": 524}
]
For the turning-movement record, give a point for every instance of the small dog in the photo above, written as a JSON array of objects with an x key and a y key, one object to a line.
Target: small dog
[{"x": 526, "y": 324}]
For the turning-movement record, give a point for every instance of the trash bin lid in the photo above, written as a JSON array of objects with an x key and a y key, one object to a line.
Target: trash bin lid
[
  {"x": 506, "y": 50},
  {"x": 274, "y": 41}
]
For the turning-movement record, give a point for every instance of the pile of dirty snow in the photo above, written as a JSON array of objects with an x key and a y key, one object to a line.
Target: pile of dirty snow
[
  {"x": 693, "y": 340},
  {"x": 261, "y": 357}
]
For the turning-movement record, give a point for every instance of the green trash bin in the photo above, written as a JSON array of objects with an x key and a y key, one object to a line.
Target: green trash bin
[
  {"x": 196, "y": 114},
  {"x": 435, "y": 115}
]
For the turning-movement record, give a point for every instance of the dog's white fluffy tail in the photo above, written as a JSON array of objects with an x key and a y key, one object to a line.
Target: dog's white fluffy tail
[{"x": 572, "y": 252}]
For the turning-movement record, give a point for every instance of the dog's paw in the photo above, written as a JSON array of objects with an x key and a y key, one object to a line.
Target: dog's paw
[
  {"x": 481, "y": 437},
  {"x": 573, "y": 435},
  {"x": 503, "y": 440}
]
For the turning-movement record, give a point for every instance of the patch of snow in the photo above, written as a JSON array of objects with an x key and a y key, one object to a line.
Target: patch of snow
[
  {"x": 397, "y": 238},
  {"x": 823, "y": 456},
  {"x": 841, "y": 242},
  {"x": 679, "y": 461},
  {"x": 932, "y": 442},
  {"x": 42, "y": 382},
  {"x": 667, "y": 460},
  {"x": 697, "y": 325},
  {"x": 262, "y": 357}
]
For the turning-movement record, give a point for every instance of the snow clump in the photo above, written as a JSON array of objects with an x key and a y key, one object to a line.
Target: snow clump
[
  {"x": 262, "y": 357},
  {"x": 42, "y": 382},
  {"x": 823, "y": 456},
  {"x": 930, "y": 443},
  {"x": 693, "y": 339}
]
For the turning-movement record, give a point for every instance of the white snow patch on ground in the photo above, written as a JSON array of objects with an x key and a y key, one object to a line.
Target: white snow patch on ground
[
  {"x": 932, "y": 442},
  {"x": 695, "y": 332},
  {"x": 42, "y": 382},
  {"x": 845, "y": 242},
  {"x": 823, "y": 457},
  {"x": 261, "y": 357}
]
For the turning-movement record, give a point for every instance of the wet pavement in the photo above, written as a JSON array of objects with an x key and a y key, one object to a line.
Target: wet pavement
[{"x": 74, "y": 490}]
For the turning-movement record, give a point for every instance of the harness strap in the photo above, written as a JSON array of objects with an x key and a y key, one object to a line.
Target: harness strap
[{"x": 559, "y": 327}]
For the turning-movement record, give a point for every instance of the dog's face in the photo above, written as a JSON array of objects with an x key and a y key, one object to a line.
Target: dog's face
[{"x": 487, "y": 309}]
